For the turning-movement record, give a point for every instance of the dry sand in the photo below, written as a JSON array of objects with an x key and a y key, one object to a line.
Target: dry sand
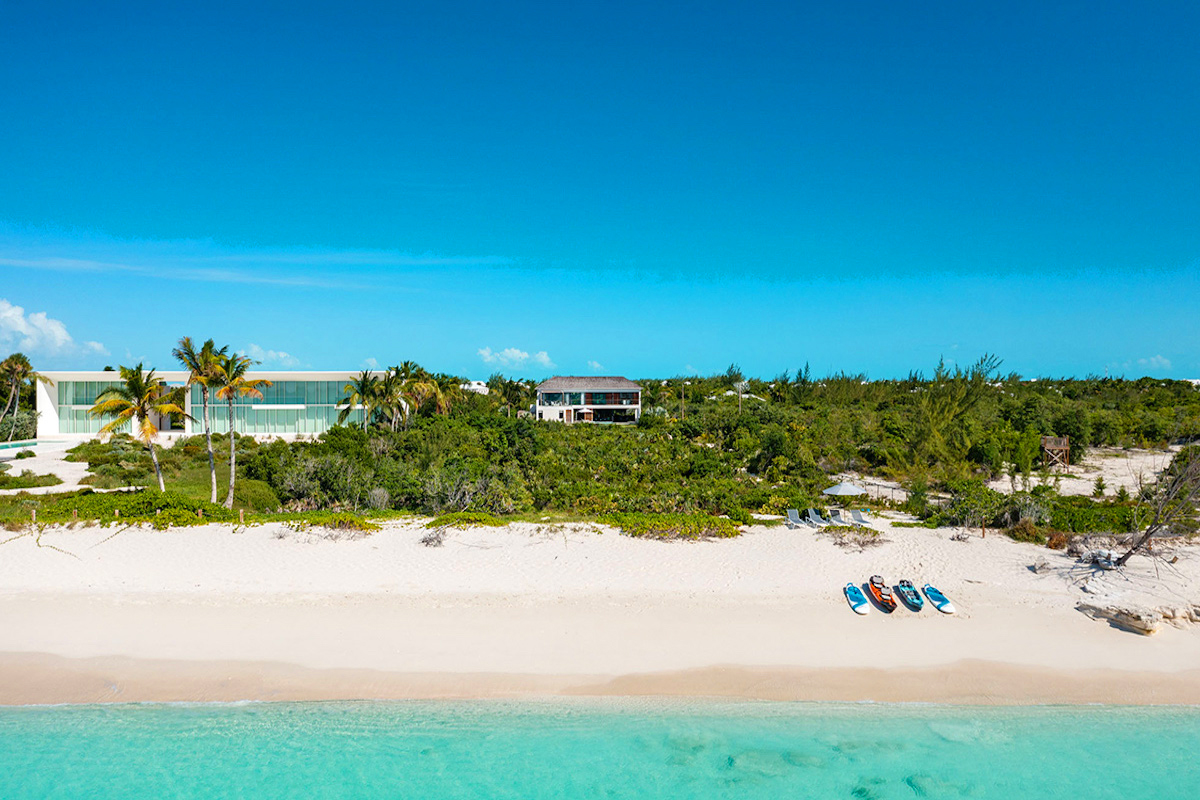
[
  {"x": 1119, "y": 467},
  {"x": 213, "y": 613}
]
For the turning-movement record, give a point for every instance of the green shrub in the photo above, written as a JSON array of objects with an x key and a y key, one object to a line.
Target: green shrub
[
  {"x": 740, "y": 515},
  {"x": 255, "y": 495},
  {"x": 464, "y": 519},
  {"x": 143, "y": 505},
  {"x": 19, "y": 426},
  {"x": 1026, "y": 531},
  {"x": 848, "y": 529},
  {"x": 917, "y": 503},
  {"x": 673, "y": 526},
  {"x": 26, "y": 454},
  {"x": 1084, "y": 515},
  {"x": 27, "y": 480},
  {"x": 332, "y": 520}
]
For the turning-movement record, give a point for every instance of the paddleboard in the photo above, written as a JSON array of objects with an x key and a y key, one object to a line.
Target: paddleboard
[
  {"x": 856, "y": 599},
  {"x": 938, "y": 600}
]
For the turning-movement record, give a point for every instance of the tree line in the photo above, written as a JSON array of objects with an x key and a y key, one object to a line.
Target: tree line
[{"x": 757, "y": 438}]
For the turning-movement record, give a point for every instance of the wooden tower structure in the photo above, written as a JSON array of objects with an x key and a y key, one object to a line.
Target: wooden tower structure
[{"x": 1056, "y": 452}]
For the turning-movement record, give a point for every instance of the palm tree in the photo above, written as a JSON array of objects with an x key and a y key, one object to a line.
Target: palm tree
[
  {"x": 447, "y": 390},
  {"x": 390, "y": 401},
  {"x": 142, "y": 394},
  {"x": 360, "y": 391},
  {"x": 394, "y": 391},
  {"x": 231, "y": 382},
  {"x": 419, "y": 387},
  {"x": 17, "y": 371},
  {"x": 7, "y": 370},
  {"x": 203, "y": 367},
  {"x": 509, "y": 394}
]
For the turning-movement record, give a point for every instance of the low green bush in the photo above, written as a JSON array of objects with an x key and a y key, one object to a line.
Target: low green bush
[
  {"x": 1084, "y": 515},
  {"x": 26, "y": 454},
  {"x": 740, "y": 515},
  {"x": 143, "y": 505},
  {"x": 673, "y": 526},
  {"x": 27, "y": 480},
  {"x": 847, "y": 529},
  {"x": 331, "y": 520},
  {"x": 255, "y": 495},
  {"x": 464, "y": 519},
  {"x": 1026, "y": 531}
]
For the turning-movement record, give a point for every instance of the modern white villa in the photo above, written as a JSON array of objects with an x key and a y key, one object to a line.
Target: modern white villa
[
  {"x": 571, "y": 399},
  {"x": 296, "y": 403},
  {"x": 304, "y": 404}
]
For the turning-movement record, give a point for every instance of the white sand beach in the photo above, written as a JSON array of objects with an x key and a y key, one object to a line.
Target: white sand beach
[{"x": 218, "y": 613}]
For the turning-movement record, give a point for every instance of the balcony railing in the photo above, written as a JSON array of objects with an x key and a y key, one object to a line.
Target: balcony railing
[{"x": 589, "y": 399}]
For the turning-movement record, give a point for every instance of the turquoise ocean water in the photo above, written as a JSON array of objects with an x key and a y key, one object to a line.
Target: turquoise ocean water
[{"x": 601, "y": 749}]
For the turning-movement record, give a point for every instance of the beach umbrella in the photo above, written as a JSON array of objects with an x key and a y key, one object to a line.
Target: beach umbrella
[{"x": 845, "y": 489}]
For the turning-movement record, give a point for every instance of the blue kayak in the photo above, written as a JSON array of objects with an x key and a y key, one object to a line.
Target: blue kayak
[
  {"x": 858, "y": 600},
  {"x": 909, "y": 594}
]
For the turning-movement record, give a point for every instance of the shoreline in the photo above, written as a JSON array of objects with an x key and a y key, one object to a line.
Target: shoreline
[
  {"x": 525, "y": 611},
  {"x": 32, "y": 679}
]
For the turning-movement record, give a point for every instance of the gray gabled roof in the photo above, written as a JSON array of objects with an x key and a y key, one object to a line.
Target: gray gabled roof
[{"x": 588, "y": 383}]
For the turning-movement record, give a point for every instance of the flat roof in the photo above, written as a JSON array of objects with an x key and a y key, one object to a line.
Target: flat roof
[{"x": 181, "y": 375}]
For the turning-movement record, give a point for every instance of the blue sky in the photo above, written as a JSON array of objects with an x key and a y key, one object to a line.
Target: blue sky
[{"x": 619, "y": 188}]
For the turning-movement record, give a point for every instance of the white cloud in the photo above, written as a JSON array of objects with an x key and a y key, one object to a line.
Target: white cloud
[
  {"x": 371, "y": 363},
  {"x": 271, "y": 358},
  {"x": 1155, "y": 362},
  {"x": 38, "y": 334},
  {"x": 207, "y": 261},
  {"x": 595, "y": 366},
  {"x": 514, "y": 357}
]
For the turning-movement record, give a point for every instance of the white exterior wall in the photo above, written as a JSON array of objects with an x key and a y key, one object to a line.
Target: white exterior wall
[
  {"x": 48, "y": 410},
  {"x": 552, "y": 413},
  {"x": 46, "y": 403}
]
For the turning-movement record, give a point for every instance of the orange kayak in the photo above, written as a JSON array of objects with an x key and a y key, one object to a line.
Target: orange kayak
[{"x": 882, "y": 593}]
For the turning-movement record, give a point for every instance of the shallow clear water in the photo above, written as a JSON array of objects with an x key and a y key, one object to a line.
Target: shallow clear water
[{"x": 582, "y": 749}]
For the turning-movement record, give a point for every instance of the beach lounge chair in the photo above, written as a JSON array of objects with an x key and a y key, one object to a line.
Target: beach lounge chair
[
  {"x": 814, "y": 518},
  {"x": 857, "y": 516},
  {"x": 793, "y": 518},
  {"x": 836, "y": 517}
]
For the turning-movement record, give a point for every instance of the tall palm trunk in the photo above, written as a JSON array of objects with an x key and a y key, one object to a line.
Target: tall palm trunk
[
  {"x": 157, "y": 469},
  {"x": 212, "y": 464},
  {"x": 232, "y": 460},
  {"x": 12, "y": 391},
  {"x": 16, "y": 411}
]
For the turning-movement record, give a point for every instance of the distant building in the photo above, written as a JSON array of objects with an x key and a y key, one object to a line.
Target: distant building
[
  {"x": 572, "y": 399},
  {"x": 478, "y": 387},
  {"x": 296, "y": 403}
]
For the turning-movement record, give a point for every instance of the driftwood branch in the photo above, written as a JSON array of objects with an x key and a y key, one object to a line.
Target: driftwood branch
[{"x": 1170, "y": 500}]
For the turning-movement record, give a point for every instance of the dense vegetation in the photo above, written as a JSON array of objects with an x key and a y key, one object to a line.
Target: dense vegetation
[
  {"x": 715, "y": 446},
  {"x": 695, "y": 451},
  {"x": 18, "y": 381}
]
